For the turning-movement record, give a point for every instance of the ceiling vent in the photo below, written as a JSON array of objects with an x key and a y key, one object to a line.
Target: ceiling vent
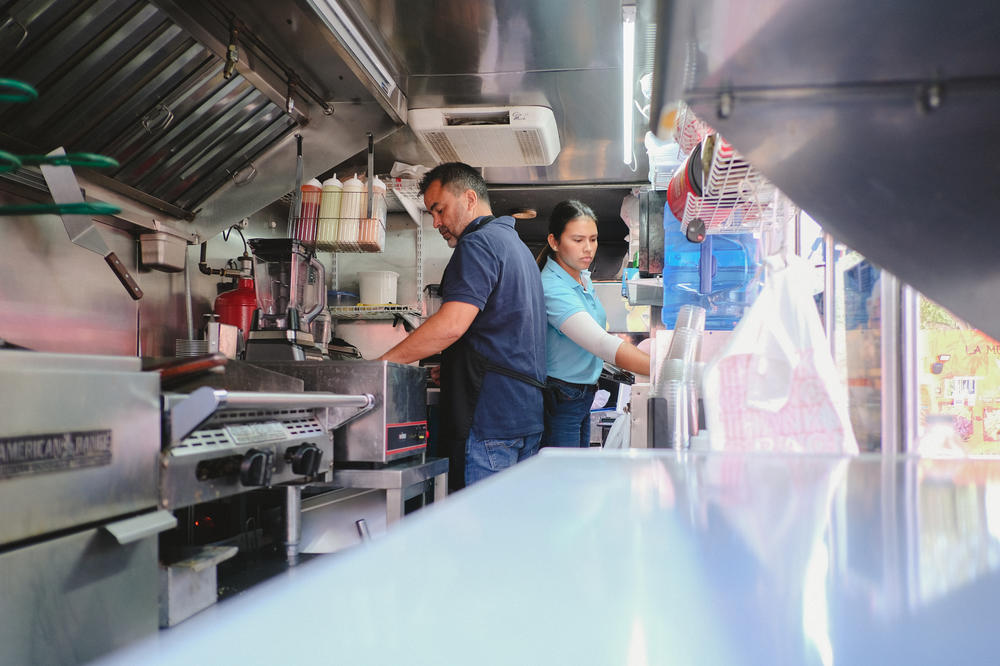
[{"x": 488, "y": 136}]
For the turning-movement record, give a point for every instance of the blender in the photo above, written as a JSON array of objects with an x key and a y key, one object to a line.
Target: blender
[{"x": 291, "y": 292}]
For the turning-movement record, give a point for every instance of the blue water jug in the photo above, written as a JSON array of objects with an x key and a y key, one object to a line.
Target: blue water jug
[{"x": 719, "y": 274}]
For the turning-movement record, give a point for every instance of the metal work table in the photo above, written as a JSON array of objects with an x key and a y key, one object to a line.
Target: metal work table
[
  {"x": 646, "y": 557},
  {"x": 401, "y": 481}
]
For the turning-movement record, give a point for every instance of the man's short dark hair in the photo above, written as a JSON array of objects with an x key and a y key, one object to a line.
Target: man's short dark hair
[{"x": 457, "y": 177}]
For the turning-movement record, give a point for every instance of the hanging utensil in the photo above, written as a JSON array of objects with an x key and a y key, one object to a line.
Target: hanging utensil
[
  {"x": 295, "y": 209},
  {"x": 65, "y": 190}
]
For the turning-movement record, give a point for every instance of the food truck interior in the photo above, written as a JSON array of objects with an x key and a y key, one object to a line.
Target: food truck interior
[{"x": 189, "y": 400}]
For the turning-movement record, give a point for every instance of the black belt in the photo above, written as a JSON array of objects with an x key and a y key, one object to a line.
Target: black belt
[{"x": 582, "y": 387}]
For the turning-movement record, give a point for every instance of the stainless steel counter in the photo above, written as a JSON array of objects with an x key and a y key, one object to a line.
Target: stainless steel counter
[{"x": 642, "y": 557}]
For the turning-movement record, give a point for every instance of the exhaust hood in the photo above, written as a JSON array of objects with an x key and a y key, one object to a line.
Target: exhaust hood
[{"x": 196, "y": 100}]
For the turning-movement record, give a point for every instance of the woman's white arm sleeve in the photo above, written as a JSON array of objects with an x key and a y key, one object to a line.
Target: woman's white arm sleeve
[{"x": 584, "y": 331}]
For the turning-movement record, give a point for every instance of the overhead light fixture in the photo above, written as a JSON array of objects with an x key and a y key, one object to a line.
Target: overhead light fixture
[
  {"x": 343, "y": 28},
  {"x": 628, "y": 73},
  {"x": 524, "y": 213}
]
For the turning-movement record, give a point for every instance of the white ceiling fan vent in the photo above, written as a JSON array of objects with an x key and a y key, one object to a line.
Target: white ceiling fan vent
[{"x": 488, "y": 136}]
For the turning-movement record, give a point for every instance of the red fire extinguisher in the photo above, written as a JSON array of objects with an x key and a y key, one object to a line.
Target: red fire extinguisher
[{"x": 236, "y": 306}]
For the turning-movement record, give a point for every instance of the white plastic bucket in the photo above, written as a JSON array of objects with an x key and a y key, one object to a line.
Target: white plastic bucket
[{"x": 377, "y": 287}]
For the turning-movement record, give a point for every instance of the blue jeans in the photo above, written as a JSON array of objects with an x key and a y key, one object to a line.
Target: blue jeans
[
  {"x": 484, "y": 457},
  {"x": 567, "y": 414}
]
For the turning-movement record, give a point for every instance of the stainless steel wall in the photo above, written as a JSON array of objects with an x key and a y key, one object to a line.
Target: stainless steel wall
[{"x": 56, "y": 296}]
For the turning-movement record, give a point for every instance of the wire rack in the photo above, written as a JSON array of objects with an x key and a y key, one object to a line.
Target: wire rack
[
  {"x": 736, "y": 198},
  {"x": 363, "y": 311},
  {"x": 689, "y": 130},
  {"x": 405, "y": 197},
  {"x": 344, "y": 234}
]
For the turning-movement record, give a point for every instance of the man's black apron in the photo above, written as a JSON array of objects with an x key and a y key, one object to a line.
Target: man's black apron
[{"x": 462, "y": 373}]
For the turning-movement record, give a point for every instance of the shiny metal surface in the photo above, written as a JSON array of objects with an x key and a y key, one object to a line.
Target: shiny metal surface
[
  {"x": 400, "y": 398},
  {"x": 875, "y": 120},
  {"x": 700, "y": 559},
  {"x": 400, "y": 482},
  {"x": 390, "y": 477},
  {"x": 563, "y": 54},
  {"x": 330, "y": 520},
  {"x": 53, "y": 487},
  {"x": 891, "y": 354},
  {"x": 141, "y": 91},
  {"x": 909, "y": 395},
  {"x": 72, "y": 599},
  {"x": 205, "y": 464}
]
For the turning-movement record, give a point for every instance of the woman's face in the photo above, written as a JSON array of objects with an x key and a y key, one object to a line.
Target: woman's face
[{"x": 577, "y": 245}]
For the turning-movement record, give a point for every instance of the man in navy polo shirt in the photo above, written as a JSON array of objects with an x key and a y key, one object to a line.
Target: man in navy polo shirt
[{"x": 490, "y": 330}]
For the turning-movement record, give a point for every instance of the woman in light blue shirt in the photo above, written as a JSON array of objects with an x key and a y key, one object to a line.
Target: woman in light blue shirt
[{"x": 576, "y": 341}]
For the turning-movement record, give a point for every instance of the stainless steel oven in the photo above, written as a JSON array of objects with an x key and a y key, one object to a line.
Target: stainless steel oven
[{"x": 395, "y": 429}]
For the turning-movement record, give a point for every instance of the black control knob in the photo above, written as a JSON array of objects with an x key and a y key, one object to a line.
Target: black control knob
[
  {"x": 255, "y": 469},
  {"x": 305, "y": 459}
]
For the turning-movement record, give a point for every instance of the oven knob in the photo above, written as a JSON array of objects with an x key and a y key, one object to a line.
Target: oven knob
[
  {"x": 305, "y": 459},
  {"x": 255, "y": 469}
]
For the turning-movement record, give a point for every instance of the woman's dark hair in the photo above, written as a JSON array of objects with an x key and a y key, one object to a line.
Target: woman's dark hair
[
  {"x": 457, "y": 177},
  {"x": 564, "y": 213}
]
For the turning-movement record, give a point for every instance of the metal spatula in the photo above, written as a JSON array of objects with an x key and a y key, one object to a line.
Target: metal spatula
[{"x": 64, "y": 188}]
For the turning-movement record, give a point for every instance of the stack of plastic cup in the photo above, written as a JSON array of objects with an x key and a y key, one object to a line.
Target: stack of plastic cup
[
  {"x": 677, "y": 377},
  {"x": 674, "y": 391}
]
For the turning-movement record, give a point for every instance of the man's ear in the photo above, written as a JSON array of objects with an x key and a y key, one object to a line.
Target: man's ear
[{"x": 471, "y": 200}]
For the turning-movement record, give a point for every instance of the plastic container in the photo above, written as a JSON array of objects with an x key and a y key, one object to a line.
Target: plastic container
[
  {"x": 351, "y": 202},
  {"x": 305, "y": 226},
  {"x": 329, "y": 214},
  {"x": 340, "y": 299},
  {"x": 432, "y": 299},
  {"x": 718, "y": 275},
  {"x": 378, "y": 287},
  {"x": 371, "y": 234}
]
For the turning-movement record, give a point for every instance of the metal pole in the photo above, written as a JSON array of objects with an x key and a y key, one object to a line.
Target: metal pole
[
  {"x": 909, "y": 373},
  {"x": 293, "y": 523},
  {"x": 892, "y": 415},
  {"x": 830, "y": 284},
  {"x": 371, "y": 173}
]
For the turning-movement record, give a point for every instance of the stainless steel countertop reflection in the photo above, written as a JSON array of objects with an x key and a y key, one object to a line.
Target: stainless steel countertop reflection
[{"x": 646, "y": 557}]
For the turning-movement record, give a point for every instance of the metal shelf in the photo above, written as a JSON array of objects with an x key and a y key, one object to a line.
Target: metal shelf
[
  {"x": 406, "y": 197},
  {"x": 689, "y": 130},
  {"x": 736, "y": 198},
  {"x": 372, "y": 311}
]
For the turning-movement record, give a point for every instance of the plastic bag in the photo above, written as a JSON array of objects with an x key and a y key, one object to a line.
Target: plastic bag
[{"x": 774, "y": 386}]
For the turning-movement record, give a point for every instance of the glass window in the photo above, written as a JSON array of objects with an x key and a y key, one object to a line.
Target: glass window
[{"x": 958, "y": 375}]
